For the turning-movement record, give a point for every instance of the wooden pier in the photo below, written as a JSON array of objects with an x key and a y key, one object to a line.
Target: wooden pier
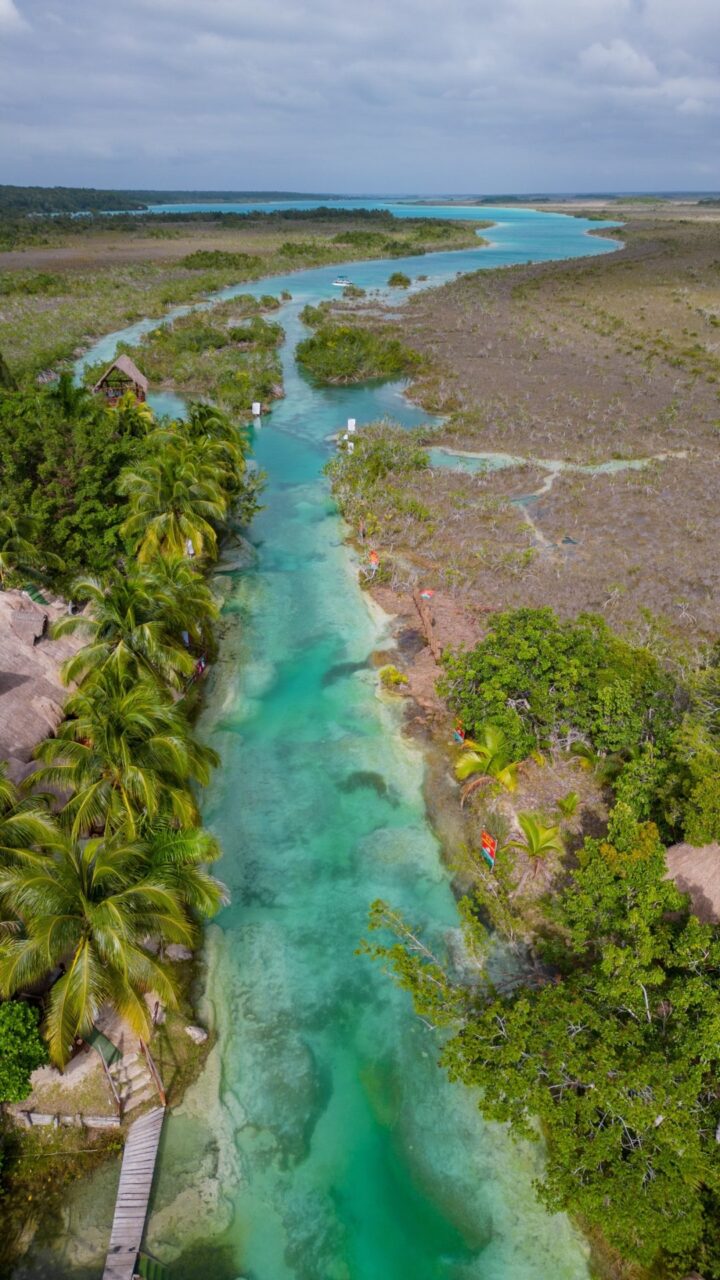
[{"x": 133, "y": 1195}]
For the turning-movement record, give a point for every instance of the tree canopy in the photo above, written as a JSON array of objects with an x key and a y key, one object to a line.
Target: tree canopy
[{"x": 611, "y": 1041}]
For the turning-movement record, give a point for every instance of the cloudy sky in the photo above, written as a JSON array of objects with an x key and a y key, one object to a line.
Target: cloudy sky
[{"x": 362, "y": 95}]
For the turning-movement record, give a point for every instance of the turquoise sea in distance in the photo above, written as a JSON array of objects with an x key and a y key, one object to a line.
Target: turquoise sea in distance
[{"x": 322, "y": 1141}]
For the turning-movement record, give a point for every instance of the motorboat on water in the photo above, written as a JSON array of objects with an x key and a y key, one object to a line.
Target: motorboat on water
[{"x": 341, "y": 282}]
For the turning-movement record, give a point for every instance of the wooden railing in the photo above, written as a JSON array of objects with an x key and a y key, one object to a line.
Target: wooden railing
[{"x": 154, "y": 1073}]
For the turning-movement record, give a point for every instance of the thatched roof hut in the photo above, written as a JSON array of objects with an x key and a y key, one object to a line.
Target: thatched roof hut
[
  {"x": 31, "y": 691},
  {"x": 696, "y": 871},
  {"x": 121, "y": 376}
]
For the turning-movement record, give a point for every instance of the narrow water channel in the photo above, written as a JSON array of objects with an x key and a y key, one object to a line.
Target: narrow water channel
[{"x": 322, "y": 1142}]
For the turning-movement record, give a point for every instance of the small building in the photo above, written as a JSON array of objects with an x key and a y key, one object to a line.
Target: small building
[{"x": 122, "y": 376}]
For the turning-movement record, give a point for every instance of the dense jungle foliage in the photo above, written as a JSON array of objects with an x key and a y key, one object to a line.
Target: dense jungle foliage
[
  {"x": 62, "y": 456},
  {"x": 609, "y": 1038},
  {"x": 553, "y": 683}
]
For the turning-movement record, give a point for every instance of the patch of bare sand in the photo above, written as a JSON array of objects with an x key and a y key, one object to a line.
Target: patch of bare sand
[{"x": 423, "y": 630}]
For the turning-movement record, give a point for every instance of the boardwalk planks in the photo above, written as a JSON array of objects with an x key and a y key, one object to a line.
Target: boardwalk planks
[{"x": 133, "y": 1195}]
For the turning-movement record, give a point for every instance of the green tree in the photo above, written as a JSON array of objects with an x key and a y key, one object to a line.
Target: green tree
[
  {"x": 126, "y": 754},
  {"x": 17, "y": 546},
  {"x": 613, "y": 1045},
  {"x": 537, "y": 840},
  {"x": 133, "y": 626},
  {"x": 488, "y": 756},
  {"x": 187, "y": 601},
  {"x": 542, "y": 679},
  {"x": 22, "y": 1049},
  {"x": 61, "y": 453},
  {"x": 90, "y": 909},
  {"x": 175, "y": 503},
  {"x": 25, "y": 822}
]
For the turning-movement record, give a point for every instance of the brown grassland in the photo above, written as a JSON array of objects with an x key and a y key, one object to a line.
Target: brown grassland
[
  {"x": 610, "y": 357},
  {"x": 63, "y": 289}
]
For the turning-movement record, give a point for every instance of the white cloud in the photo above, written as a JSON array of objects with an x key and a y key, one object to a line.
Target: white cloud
[
  {"x": 618, "y": 61},
  {"x": 484, "y": 94},
  {"x": 10, "y": 17}
]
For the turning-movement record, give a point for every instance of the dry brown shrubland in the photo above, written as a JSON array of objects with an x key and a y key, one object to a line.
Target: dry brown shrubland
[{"x": 615, "y": 356}]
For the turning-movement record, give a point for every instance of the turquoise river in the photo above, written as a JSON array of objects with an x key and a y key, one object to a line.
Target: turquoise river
[{"x": 322, "y": 1141}]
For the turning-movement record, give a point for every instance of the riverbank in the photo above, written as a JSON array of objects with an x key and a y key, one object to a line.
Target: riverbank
[
  {"x": 595, "y": 367},
  {"x": 57, "y": 300},
  {"x": 371, "y": 1163}
]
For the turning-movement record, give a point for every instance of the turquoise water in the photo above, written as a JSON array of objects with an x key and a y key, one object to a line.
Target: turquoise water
[
  {"x": 322, "y": 1142},
  {"x": 458, "y": 460}
]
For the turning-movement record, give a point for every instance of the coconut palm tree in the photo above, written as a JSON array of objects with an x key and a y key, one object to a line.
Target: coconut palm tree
[
  {"x": 126, "y": 754},
  {"x": 537, "y": 840},
  {"x": 131, "y": 628},
  {"x": 26, "y": 825},
  {"x": 490, "y": 757},
  {"x": 217, "y": 457},
  {"x": 88, "y": 909},
  {"x": 184, "y": 596},
  {"x": 208, "y": 420},
  {"x": 177, "y": 859},
  {"x": 174, "y": 503}
]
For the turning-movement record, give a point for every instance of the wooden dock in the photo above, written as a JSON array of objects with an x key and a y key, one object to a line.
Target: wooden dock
[{"x": 133, "y": 1195}]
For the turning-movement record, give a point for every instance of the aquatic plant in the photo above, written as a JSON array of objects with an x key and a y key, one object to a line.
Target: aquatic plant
[{"x": 345, "y": 353}]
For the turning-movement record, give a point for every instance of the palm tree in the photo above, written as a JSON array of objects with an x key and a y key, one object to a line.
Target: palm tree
[
  {"x": 537, "y": 840},
  {"x": 489, "y": 757},
  {"x": 219, "y": 457},
  {"x": 89, "y": 909},
  {"x": 177, "y": 859},
  {"x": 209, "y": 420},
  {"x": 606, "y": 766},
  {"x": 134, "y": 416},
  {"x": 131, "y": 628},
  {"x": 17, "y": 549},
  {"x": 185, "y": 597},
  {"x": 26, "y": 826},
  {"x": 174, "y": 503},
  {"x": 127, "y": 755}
]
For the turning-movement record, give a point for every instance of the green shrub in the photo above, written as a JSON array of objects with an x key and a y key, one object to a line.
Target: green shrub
[
  {"x": 33, "y": 282},
  {"x": 207, "y": 259},
  {"x": 398, "y": 279},
  {"x": 541, "y": 678},
  {"x": 22, "y": 1049},
  {"x": 314, "y": 316},
  {"x": 390, "y": 677},
  {"x": 343, "y": 353}
]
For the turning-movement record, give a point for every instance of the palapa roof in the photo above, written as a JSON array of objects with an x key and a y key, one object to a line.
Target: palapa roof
[
  {"x": 31, "y": 691},
  {"x": 128, "y": 367},
  {"x": 696, "y": 871}
]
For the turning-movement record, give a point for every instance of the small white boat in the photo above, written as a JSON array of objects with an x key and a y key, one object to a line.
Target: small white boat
[{"x": 340, "y": 282}]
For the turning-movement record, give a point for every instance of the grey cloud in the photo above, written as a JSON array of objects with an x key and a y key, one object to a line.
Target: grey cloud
[{"x": 415, "y": 95}]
